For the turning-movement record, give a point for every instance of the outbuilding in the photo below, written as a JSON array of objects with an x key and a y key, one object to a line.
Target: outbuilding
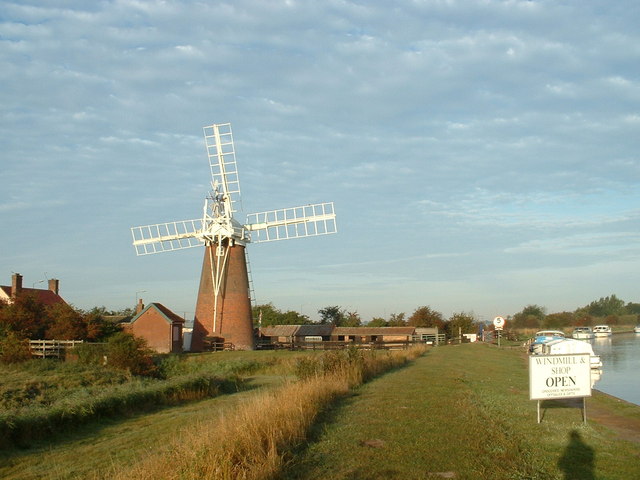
[{"x": 159, "y": 326}]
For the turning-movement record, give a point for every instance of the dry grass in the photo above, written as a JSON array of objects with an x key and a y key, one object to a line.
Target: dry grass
[{"x": 255, "y": 441}]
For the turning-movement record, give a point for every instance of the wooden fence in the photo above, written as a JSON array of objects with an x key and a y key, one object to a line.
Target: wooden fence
[{"x": 51, "y": 348}]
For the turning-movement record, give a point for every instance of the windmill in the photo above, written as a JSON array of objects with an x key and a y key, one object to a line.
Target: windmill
[{"x": 223, "y": 308}]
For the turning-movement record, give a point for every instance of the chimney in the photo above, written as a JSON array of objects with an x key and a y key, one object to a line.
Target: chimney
[
  {"x": 16, "y": 285},
  {"x": 54, "y": 285},
  {"x": 139, "y": 306}
]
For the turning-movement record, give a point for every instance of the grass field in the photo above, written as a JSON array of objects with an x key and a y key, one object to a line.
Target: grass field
[
  {"x": 462, "y": 412},
  {"x": 457, "y": 412}
]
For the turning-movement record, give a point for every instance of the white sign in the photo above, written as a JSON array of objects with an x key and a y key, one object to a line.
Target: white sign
[
  {"x": 559, "y": 376},
  {"x": 498, "y": 322}
]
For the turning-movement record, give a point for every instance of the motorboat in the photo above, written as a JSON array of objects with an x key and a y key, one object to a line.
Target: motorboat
[
  {"x": 636, "y": 329},
  {"x": 582, "y": 333},
  {"x": 564, "y": 346},
  {"x": 602, "y": 331},
  {"x": 542, "y": 337}
]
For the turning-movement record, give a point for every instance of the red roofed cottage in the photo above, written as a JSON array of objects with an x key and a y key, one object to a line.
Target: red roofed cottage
[
  {"x": 47, "y": 297},
  {"x": 159, "y": 326}
]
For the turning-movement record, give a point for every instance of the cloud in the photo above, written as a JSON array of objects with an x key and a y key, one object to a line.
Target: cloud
[{"x": 454, "y": 136}]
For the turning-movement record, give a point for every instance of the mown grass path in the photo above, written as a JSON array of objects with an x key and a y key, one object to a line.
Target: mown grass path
[
  {"x": 462, "y": 412},
  {"x": 98, "y": 447}
]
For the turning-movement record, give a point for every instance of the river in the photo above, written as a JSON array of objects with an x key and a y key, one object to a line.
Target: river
[{"x": 620, "y": 356}]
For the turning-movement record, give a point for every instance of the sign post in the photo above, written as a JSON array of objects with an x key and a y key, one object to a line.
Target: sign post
[
  {"x": 498, "y": 324},
  {"x": 560, "y": 376}
]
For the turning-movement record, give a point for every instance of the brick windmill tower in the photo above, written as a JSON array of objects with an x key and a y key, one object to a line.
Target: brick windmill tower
[{"x": 223, "y": 308}]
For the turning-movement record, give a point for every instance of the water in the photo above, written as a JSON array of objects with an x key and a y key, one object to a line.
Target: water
[{"x": 620, "y": 354}]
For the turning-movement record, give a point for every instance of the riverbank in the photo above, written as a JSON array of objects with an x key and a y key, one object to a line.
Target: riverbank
[
  {"x": 464, "y": 412},
  {"x": 459, "y": 411}
]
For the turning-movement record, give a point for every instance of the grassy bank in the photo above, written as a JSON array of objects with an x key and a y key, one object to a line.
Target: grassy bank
[
  {"x": 458, "y": 412},
  {"x": 257, "y": 440},
  {"x": 41, "y": 398},
  {"x": 463, "y": 412}
]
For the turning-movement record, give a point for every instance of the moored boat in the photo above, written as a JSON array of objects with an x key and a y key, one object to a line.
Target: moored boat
[
  {"x": 563, "y": 346},
  {"x": 542, "y": 337},
  {"x": 636, "y": 329},
  {"x": 582, "y": 333},
  {"x": 602, "y": 331}
]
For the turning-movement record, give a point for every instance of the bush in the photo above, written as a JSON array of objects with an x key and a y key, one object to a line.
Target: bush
[
  {"x": 89, "y": 353},
  {"x": 14, "y": 349},
  {"x": 126, "y": 352}
]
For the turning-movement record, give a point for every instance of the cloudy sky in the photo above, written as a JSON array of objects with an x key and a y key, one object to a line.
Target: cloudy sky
[{"x": 482, "y": 155}]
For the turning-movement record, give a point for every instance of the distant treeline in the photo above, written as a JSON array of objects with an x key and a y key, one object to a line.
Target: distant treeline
[{"x": 610, "y": 310}]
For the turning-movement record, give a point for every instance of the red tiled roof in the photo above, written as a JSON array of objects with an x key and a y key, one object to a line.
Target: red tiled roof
[
  {"x": 47, "y": 297},
  {"x": 168, "y": 314}
]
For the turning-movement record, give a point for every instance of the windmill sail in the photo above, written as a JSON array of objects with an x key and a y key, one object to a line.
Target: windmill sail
[
  {"x": 222, "y": 161},
  {"x": 295, "y": 222},
  {"x": 165, "y": 237}
]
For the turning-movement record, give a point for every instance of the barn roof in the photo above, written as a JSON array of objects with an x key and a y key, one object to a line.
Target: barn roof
[
  {"x": 168, "y": 315},
  {"x": 314, "y": 330},
  {"x": 279, "y": 330},
  {"x": 46, "y": 297},
  {"x": 374, "y": 331}
]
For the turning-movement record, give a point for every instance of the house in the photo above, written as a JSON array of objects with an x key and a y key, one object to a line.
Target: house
[
  {"x": 47, "y": 297},
  {"x": 159, "y": 326}
]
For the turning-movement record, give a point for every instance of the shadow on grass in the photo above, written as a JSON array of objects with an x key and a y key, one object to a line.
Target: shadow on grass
[
  {"x": 576, "y": 403},
  {"x": 578, "y": 459}
]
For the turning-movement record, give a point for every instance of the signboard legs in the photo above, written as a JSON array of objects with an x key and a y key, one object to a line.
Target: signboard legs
[{"x": 584, "y": 411}]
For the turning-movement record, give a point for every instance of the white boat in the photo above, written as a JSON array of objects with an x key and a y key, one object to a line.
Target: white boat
[
  {"x": 582, "y": 333},
  {"x": 602, "y": 331},
  {"x": 563, "y": 346},
  {"x": 542, "y": 337},
  {"x": 636, "y": 329}
]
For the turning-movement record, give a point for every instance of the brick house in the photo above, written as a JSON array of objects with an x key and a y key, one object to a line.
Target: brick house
[
  {"x": 159, "y": 326},
  {"x": 49, "y": 296}
]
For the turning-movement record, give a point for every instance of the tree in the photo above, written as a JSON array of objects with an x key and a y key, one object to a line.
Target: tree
[
  {"x": 352, "y": 319},
  {"x": 397, "y": 320},
  {"x": 632, "y": 308},
  {"x": 26, "y": 316},
  {"x": 333, "y": 315},
  {"x": 98, "y": 328},
  {"x": 531, "y": 316},
  {"x": 426, "y": 317},
  {"x": 377, "y": 322},
  {"x": 270, "y": 315},
  {"x": 66, "y": 323},
  {"x": 14, "y": 349},
  {"x": 291, "y": 317},
  {"x": 610, "y": 305},
  {"x": 126, "y": 352},
  {"x": 558, "y": 320},
  {"x": 461, "y": 323},
  {"x": 582, "y": 319}
]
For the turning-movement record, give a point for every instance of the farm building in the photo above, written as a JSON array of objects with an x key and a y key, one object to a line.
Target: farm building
[
  {"x": 296, "y": 333},
  {"x": 330, "y": 334},
  {"x": 372, "y": 334},
  {"x": 49, "y": 296},
  {"x": 159, "y": 326}
]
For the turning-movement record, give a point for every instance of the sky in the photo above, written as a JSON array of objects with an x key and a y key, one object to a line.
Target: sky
[{"x": 481, "y": 155}]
